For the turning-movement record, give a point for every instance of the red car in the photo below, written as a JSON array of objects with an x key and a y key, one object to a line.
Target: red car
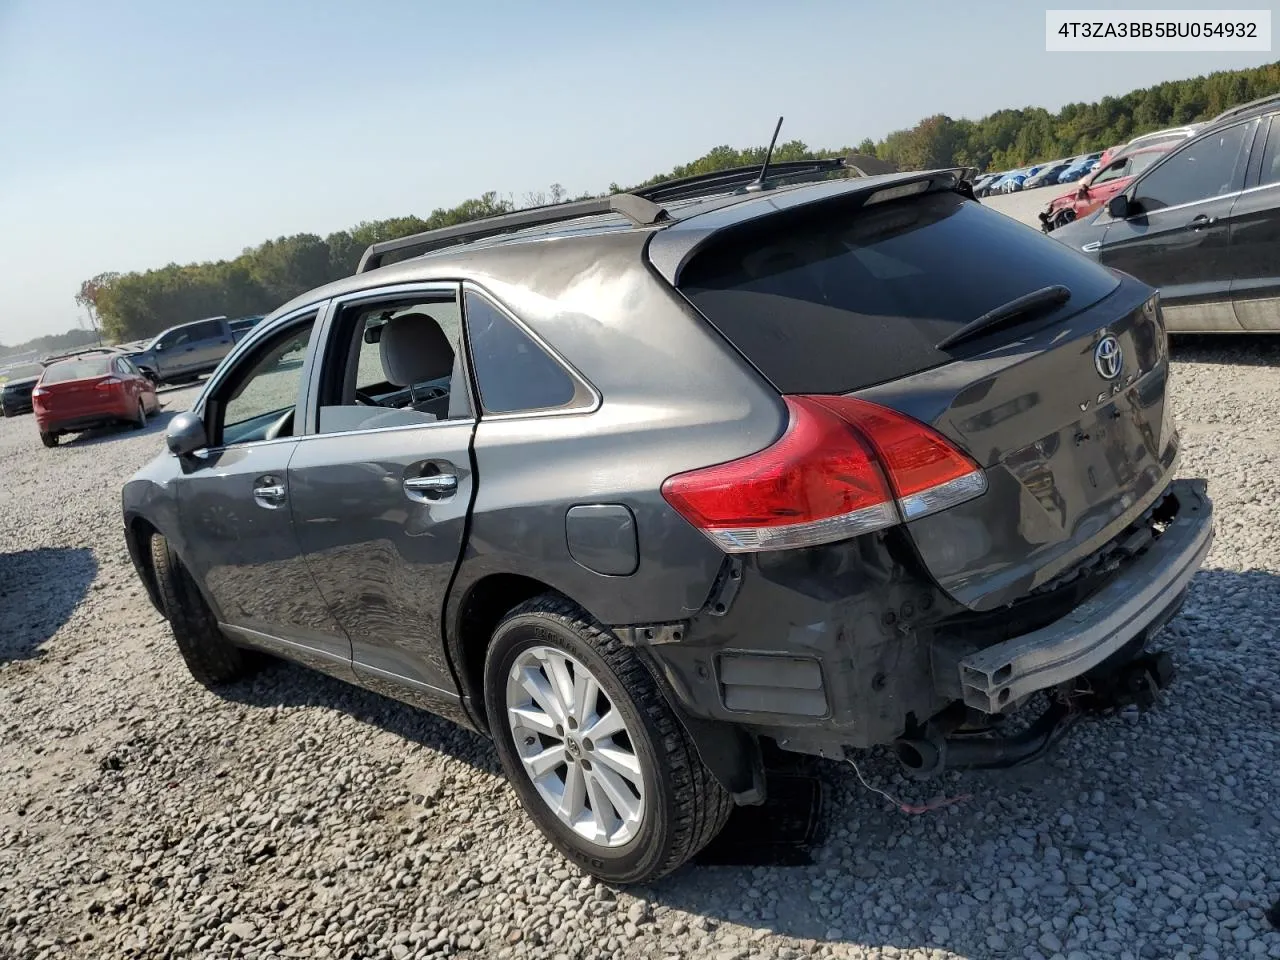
[
  {"x": 91, "y": 389},
  {"x": 1100, "y": 186}
]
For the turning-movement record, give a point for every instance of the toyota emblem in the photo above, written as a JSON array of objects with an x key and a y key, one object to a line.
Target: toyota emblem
[{"x": 1108, "y": 358}]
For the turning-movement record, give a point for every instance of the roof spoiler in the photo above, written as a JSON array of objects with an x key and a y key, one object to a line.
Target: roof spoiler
[
  {"x": 69, "y": 354},
  {"x": 637, "y": 209}
]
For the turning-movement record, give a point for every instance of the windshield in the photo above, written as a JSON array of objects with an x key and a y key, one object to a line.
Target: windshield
[{"x": 80, "y": 369}]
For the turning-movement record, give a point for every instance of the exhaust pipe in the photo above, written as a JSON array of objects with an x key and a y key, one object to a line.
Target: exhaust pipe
[{"x": 928, "y": 756}]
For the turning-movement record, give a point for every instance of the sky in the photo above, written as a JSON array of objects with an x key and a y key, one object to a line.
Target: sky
[{"x": 143, "y": 132}]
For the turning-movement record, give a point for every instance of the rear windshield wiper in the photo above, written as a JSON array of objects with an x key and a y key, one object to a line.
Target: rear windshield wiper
[{"x": 1011, "y": 312}]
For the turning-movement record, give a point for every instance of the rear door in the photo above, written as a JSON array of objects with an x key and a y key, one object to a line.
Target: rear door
[
  {"x": 212, "y": 341},
  {"x": 1255, "y": 236},
  {"x": 1065, "y": 410},
  {"x": 1177, "y": 234},
  {"x": 381, "y": 487}
]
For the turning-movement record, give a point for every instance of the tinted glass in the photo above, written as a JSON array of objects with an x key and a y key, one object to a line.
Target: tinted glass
[
  {"x": 77, "y": 369},
  {"x": 1203, "y": 169},
  {"x": 512, "y": 371},
  {"x": 838, "y": 298},
  {"x": 209, "y": 330},
  {"x": 266, "y": 388},
  {"x": 1271, "y": 155}
]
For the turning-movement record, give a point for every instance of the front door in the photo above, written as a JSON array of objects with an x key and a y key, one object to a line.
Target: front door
[
  {"x": 1255, "y": 236},
  {"x": 234, "y": 500},
  {"x": 381, "y": 490},
  {"x": 1177, "y": 233}
]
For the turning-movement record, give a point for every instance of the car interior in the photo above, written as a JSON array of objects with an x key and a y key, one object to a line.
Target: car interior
[{"x": 405, "y": 367}]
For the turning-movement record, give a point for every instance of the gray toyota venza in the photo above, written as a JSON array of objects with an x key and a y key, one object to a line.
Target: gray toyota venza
[{"x": 648, "y": 486}]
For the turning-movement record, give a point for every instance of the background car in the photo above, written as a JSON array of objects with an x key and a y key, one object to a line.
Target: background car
[
  {"x": 1201, "y": 224},
  {"x": 95, "y": 388},
  {"x": 1079, "y": 168},
  {"x": 1099, "y": 187},
  {"x": 15, "y": 393},
  {"x": 182, "y": 353},
  {"x": 1046, "y": 176}
]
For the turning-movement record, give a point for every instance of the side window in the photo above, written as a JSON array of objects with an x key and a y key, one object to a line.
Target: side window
[
  {"x": 1114, "y": 171},
  {"x": 512, "y": 371},
  {"x": 394, "y": 363},
  {"x": 1271, "y": 155},
  {"x": 1205, "y": 168},
  {"x": 129, "y": 368},
  {"x": 209, "y": 330},
  {"x": 175, "y": 339},
  {"x": 258, "y": 400}
]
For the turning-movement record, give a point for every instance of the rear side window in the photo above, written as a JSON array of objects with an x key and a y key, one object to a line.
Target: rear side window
[
  {"x": 837, "y": 298},
  {"x": 513, "y": 372},
  {"x": 1271, "y": 155}
]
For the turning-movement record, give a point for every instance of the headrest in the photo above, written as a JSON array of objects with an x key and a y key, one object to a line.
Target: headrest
[{"x": 414, "y": 350}]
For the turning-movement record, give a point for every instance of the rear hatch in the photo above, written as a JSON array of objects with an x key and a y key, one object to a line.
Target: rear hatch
[
  {"x": 1063, "y": 407},
  {"x": 71, "y": 385}
]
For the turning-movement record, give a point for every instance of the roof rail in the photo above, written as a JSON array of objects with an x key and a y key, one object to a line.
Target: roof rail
[
  {"x": 1243, "y": 108},
  {"x": 705, "y": 183},
  {"x": 634, "y": 208}
]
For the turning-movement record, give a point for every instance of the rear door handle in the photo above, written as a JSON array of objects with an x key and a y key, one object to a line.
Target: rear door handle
[{"x": 435, "y": 486}]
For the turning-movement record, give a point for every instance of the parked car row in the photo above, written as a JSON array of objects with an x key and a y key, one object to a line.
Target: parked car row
[
  {"x": 1071, "y": 169},
  {"x": 1198, "y": 217}
]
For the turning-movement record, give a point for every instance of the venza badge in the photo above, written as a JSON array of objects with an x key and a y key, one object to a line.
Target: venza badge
[{"x": 1108, "y": 359}]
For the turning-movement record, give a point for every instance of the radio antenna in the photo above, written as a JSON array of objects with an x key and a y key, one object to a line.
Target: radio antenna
[{"x": 764, "y": 168}]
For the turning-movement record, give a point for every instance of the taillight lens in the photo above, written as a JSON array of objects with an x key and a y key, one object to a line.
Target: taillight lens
[
  {"x": 109, "y": 383},
  {"x": 843, "y": 467}
]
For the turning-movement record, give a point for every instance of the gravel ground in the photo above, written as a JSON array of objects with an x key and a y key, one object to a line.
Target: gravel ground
[
  {"x": 1025, "y": 205},
  {"x": 292, "y": 816}
]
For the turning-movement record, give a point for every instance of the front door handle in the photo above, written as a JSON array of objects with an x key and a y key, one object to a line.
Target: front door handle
[
  {"x": 435, "y": 486},
  {"x": 1203, "y": 221},
  {"x": 269, "y": 493}
]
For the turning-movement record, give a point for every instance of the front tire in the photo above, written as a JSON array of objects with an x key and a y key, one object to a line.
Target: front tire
[
  {"x": 212, "y": 658},
  {"x": 595, "y": 753},
  {"x": 49, "y": 439}
]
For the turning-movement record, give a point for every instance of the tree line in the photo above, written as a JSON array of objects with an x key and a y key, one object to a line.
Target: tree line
[{"x": 135, "y": 305}]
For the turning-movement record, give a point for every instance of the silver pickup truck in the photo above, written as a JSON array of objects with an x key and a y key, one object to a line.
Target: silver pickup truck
[{"x": 184, "y": 352}]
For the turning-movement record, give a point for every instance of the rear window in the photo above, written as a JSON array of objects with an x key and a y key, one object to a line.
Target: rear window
[
  {"x": 77, "y": 370},
  {"x": 838, "y": 299}
]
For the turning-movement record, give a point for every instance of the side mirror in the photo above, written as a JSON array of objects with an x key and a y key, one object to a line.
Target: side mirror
[
  {"x": 185, "y": 435},
  {"x": 1118, "y": 206},
  {"x": 158, "y": 346}
]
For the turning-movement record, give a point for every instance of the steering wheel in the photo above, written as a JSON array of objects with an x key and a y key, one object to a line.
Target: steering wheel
[
  {"x": 366, "y": 400},
  {"x": 280, "y": 428}
]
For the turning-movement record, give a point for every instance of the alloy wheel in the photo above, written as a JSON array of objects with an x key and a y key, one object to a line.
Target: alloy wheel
[{"x": 575, "y": 746}]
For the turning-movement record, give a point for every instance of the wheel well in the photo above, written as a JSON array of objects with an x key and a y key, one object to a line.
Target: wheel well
[
  {"x": 140, "y": 533},
  {"x": 491, "y": 599}
]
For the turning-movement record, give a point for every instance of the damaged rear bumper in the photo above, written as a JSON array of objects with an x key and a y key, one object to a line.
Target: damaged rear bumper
[{"x": 1138, "y": 601}]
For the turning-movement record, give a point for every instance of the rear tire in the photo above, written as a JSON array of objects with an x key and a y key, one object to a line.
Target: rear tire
[
  {"x": 212, "y": 658},
  {"x": 49, "y": 439},
  {"x": 679, "y": 806},
  {"x": 140, "y": 422}
]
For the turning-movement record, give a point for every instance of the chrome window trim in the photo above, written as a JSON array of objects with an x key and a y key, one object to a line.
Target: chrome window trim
[{"x": 582, "y": 386}]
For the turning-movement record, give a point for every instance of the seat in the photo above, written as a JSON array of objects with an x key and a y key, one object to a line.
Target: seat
[{"x": 414, "y": 350}]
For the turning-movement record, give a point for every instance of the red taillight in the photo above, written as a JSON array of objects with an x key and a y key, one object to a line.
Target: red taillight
[
  {"x": 109, "y": 383},
  {"x": 843, "y": 467}
]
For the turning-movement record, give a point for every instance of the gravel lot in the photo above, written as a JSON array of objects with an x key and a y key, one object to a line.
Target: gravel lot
[{"x": 292, "y": 816}]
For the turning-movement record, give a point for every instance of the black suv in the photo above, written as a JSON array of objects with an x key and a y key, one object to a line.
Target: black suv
[
  {"x": 635, "y": 484},
  {"x": 1202, "y": 225}
]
